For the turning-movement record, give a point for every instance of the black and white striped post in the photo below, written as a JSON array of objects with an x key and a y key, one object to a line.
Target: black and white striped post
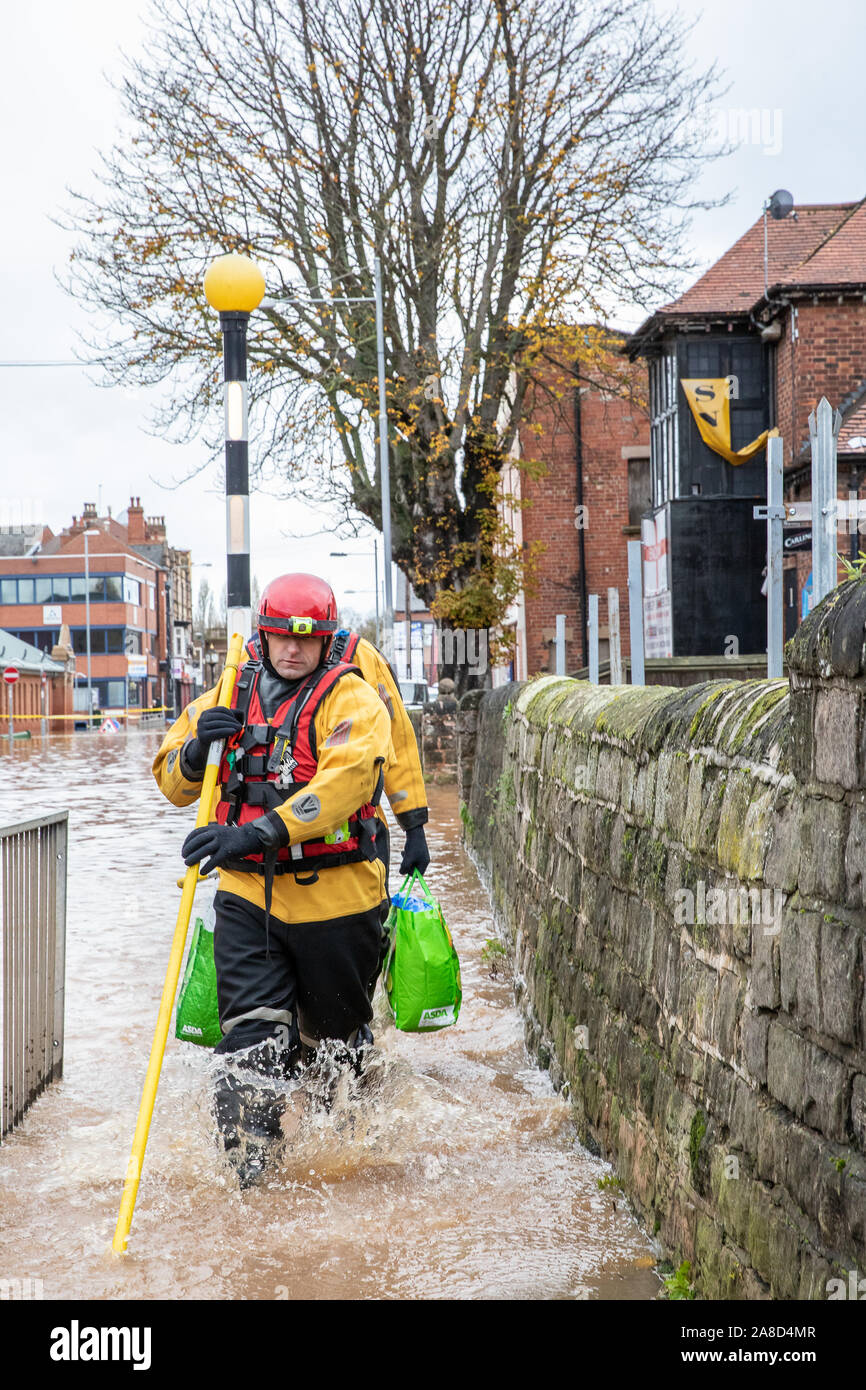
[{"x": 234, "y": 286}]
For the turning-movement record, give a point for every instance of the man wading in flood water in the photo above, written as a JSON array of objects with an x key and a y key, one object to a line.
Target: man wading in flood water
[{"x": 298, "y": 842}]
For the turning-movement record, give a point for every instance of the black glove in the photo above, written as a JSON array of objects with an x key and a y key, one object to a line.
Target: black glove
[
  {"x": 221, "y": 842},
  {"x": 416, "y": 855},
  {"x": 213, "y": 724}
]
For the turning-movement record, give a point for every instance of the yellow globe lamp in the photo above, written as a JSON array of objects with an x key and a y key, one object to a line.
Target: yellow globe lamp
[{"x": 234, "y": 284}]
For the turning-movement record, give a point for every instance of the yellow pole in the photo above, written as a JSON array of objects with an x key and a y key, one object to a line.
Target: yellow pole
[{"x": 172, "y": 974}]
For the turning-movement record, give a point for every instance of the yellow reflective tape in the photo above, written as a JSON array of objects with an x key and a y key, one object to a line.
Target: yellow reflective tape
[{"x": 83, "y": 716}]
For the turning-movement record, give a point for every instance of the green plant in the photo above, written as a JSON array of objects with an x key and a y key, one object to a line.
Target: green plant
[
  {"x": 493, "y": 954},
  {"x": 853, "y": 568},
  {"x": 610, "y": 1180},
  {"x": 506, "y": 800},
  {"x": 504, "y": 797},
  {"x": 467, "y": 819},
  {"x": 678, "y": 1285},
  {"x": 506, "y": 713}
]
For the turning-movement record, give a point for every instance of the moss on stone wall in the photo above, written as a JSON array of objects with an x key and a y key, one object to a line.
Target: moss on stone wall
[{"x": 713, "y": 1060}]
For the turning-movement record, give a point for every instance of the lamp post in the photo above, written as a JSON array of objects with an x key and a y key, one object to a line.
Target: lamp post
[
  {"x": 200, "y": 565},
  {"x": 234, "y": 286},
  {"x": 103, "y": 555},
  {"x": 94, "y": 531},
  {"x": 384, "y": 464},
  {"x": 344, "y": 554}
]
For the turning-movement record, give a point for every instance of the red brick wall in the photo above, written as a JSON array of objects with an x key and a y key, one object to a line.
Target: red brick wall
[
  {"x": 27, "y": 703},
  {"x": 829, "y": 359},
  {"x": 608, "y": 423},
  {"x": 25, "y": 616}
]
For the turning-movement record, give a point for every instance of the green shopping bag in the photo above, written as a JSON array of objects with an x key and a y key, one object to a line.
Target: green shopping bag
[
  {"x": 422, "y": 971},
  {"x": 197, "y": 1019}
]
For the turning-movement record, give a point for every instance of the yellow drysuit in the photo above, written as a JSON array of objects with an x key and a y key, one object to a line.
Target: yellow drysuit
[{"x": 346, "y": 776}]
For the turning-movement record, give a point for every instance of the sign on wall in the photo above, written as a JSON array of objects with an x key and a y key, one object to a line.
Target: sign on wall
[
  {"x": 710, "y": 404},
  {"x": 657, "y": 611}
]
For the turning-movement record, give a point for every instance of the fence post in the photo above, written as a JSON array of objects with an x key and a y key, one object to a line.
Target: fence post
[
  {"x": 592, "y": 634},
  {"x": 635, "y": 613},
  {"x": 560, "y": 644},
  {"x": 775, "y": 612},
  {"x": 60, "y": 846},
  {"x": 823, "y": 432},
  {"x": 613, "y": 631}
]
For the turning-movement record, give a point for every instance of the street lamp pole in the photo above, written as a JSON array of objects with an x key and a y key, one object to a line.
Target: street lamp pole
[
  {"x": 234, "y": 286},
  {"x": 384, "y": 465},
  {"x": 86, "y": 534},
  {"x": 201, "y": 565},
  {"x": 344, "y": 554},
  {"x": 376, "y": 583}
]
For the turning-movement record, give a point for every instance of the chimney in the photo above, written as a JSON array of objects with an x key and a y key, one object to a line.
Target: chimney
[{"x": 135, "y": 522}]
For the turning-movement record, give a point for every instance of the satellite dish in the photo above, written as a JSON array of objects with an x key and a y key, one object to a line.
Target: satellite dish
[{"x": 781, "y": 203}]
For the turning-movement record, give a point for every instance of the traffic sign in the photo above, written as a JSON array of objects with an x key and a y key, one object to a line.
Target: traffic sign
[{"x": 10, "y": 675}]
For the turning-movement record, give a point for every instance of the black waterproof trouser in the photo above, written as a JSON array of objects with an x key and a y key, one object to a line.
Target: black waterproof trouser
[{"x": 299, "y": 981}]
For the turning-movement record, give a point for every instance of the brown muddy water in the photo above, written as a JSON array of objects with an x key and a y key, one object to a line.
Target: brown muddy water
[{"x": 456, "y": 1173}]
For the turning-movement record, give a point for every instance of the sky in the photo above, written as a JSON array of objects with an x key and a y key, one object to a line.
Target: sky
[{"x": 67, "y": 440}]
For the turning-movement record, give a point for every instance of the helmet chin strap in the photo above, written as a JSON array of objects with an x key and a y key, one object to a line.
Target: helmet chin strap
[{"x": 266, "y": 656}]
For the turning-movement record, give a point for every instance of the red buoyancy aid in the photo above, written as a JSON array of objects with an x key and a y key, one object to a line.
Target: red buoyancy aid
[{"x": 269, "y": 761}]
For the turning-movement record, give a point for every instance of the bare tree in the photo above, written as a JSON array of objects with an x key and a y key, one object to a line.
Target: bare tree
[
  {"x": 519, "y": 166},
  {"x": 204, "y": 613}
]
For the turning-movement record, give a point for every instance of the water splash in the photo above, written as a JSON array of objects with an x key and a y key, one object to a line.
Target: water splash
[{"x": 449, "y": 1168}]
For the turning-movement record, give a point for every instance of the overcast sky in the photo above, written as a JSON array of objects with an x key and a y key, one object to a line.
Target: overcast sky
[{"x": 66, "y": 441}]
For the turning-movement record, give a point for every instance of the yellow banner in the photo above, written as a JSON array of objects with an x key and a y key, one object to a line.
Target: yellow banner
[{"x": 710, "y": 404}]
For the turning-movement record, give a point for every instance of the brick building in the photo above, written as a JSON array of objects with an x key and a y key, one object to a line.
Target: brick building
[
  {"x": 44, "y": 689},
  {"x": 786, "y": 332},
  {"x": 128, "y": 568},
  {"x": 590, "y": 430},
  {"x": 147, "y": 536}
]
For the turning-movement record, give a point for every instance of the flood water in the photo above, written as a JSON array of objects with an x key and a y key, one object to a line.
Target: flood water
[{"x": 455, "y": 1173}]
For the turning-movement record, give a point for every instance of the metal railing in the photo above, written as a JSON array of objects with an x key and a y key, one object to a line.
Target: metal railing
[{"x": 32, "y": 960}]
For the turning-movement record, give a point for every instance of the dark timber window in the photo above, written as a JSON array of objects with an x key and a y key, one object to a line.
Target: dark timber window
[{"x": 682, "y": 464}]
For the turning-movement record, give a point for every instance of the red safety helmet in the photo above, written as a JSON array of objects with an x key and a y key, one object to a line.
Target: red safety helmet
[{"x": 300, "y": 604}]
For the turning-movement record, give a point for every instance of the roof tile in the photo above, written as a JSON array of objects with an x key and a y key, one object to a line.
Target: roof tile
[{"x": 825, "y": 244}]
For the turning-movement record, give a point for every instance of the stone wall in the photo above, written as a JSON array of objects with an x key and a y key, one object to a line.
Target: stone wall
[
  {"x": 682, "y": 874},
  {"x": 439, "y": 736}
]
